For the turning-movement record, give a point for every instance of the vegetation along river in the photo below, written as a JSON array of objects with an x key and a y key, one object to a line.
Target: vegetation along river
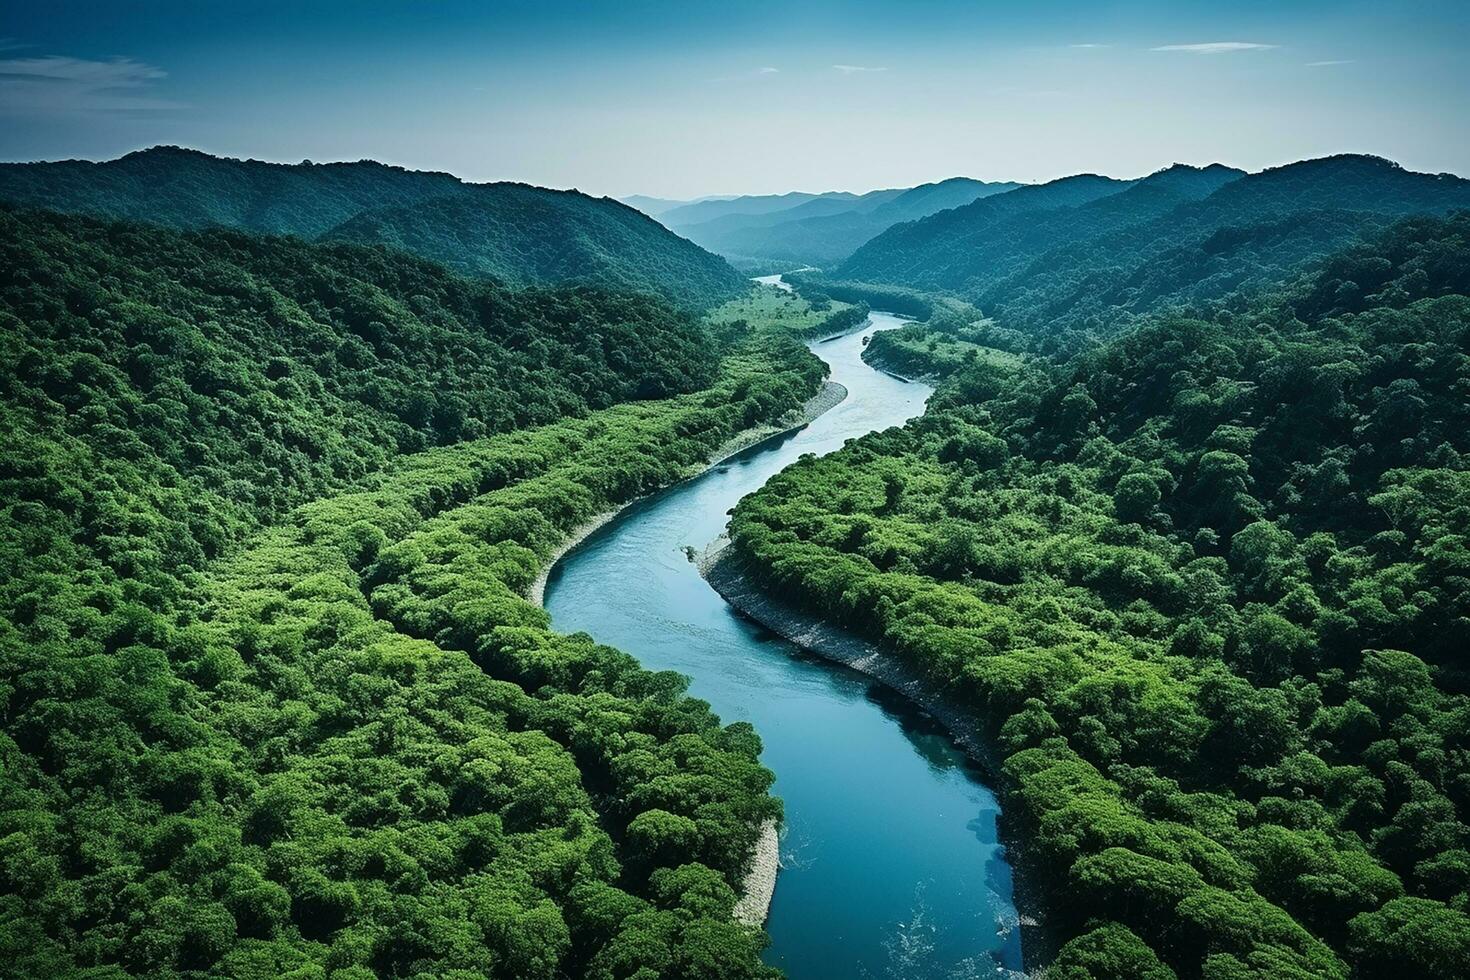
[{"x": 891, "y": 865}]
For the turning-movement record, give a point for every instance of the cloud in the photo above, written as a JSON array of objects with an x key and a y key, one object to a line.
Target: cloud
[
  {"x": 1216, "y": 47},
  {"x": 55, "y": 83},
  {"x": 11, "y": 44},
  {"x": 1089, "y": 46},
  {"x": 1327, "y": 64},
  {"x": 853, "y": 69},
  {"x": 767, "y": 71}
]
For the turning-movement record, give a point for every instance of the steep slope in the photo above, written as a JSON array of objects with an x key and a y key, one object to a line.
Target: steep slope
[{"x": 594, "y": 240}]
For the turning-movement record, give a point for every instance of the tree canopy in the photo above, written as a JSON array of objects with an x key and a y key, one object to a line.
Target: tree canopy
[{"x": 1205, "y": 584}]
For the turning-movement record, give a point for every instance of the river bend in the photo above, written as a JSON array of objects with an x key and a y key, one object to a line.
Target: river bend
[{"x": 891, "y": 865}]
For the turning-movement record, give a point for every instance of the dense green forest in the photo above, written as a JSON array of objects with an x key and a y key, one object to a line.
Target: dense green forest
[
  {"x": 514, "y": 233},
  {"x": 1084, "y": 257},
  {"x": 273, "y": 701},
  {"x": 1207, "y": 587}
]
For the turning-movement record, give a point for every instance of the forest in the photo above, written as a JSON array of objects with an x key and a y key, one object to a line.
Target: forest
[
  {"x": 1081, "y": 258},
  {"x": 1206, "y": 585},
  {"x": 514, "y": 233},
  {"x": 274, "y": 703}
]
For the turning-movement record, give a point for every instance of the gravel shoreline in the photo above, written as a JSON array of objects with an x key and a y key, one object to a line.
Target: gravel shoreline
[
  {"x": 832, "y": 642},
  {"x": 759, "y": 883}
]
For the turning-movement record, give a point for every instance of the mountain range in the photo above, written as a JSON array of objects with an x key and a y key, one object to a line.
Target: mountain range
[
  {"x": 1088, "y": 250},
  {"x": 512, "y": 233},
  {"x": 808, "y": 229}
]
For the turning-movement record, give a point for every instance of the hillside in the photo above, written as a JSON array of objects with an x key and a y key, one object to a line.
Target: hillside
[
  {"x": 528, "y": 235},
  {"x": 569, "y": 238},
  {"x": 1205, "y": 587},
  {"x": 903, "y": 254},
  {"x": 1178, "y": 237},
  {"x": 274, "y": 701}
]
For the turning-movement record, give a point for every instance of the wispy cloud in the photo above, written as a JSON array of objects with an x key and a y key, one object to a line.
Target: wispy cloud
[
  {"x": 1328, "y": 64},
  {"x": 768, "y": 71},
  {"x": 1089, "y": 46},
  {"x": 55, "y": 83},
  {"x": 11, "y": 44},
  {"x": 854, "y": 69},
  {"x": 1217, "y": 47}
]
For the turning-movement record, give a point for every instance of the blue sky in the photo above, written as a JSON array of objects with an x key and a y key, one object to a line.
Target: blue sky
[{"x": 691, "y": 98}]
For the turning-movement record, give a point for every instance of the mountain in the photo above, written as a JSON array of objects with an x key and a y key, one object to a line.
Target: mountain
[
  {"x": 905, "y": 253},
  {"x": 825, "y": 229},
  {"x": 1010, "y": 240},
  {"x": 526, "y": 235},
  {"x": 1087, "y": 252},
  {"x": 651, "y": 206},
  {"x": 1251, "y": 234},
  {"x": 710, "y": 208},
  {"x": 511, "y": 232}
]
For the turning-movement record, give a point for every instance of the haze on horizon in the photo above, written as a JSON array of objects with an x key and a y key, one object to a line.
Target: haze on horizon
[{"x": 684, "y": 100}]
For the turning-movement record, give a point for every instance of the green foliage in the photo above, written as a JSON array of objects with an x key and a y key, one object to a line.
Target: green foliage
[
  {"x": 1206, "y": 586},
  {"x": 1082, "y": 257},
  {"x": 274, "y": 703}
]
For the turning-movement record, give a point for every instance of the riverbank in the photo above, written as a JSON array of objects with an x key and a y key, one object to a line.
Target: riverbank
[
  {"x": 760, "y": 881},
  {"x": 759, "y": 884},
  {"x": 833, "y": 643},
  {"x": 827, "y": 397}
]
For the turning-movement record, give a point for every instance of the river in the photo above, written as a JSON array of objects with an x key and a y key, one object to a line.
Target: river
[{"x": 891, "y": 865}]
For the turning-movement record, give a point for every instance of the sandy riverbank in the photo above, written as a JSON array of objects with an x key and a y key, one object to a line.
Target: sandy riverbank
[
  {"x": 841, "y": 646},
  {"x": 760, "y": 881},
  {"x": 827, "y": 397}
]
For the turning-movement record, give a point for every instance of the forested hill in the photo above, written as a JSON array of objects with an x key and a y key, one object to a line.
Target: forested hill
[
  {"x": 901, "y": 253},
  {"x": 511, "y": 232},
  {"x": 527, "y": 235},
  {"x": 1015, "y": 227},
  {"x": 1207, "y": 585},
  {"x": 1093, "y": 265},
  {"x": 273, "y": 701}
]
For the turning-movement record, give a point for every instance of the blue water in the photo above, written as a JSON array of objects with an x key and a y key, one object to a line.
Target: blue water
[{"x": 890, "y": 863}]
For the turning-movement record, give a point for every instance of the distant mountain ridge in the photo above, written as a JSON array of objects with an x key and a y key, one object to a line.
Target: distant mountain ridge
[
  {"x": 514, "y": 233},
  {"x": 1091, "y": 250},
  {"x": 819, "y": 229}
]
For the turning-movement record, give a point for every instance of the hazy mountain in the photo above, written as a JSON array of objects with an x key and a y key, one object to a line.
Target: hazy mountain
[
  {"x": 651, "y": 206},
  {"x": 822, "y": 230},
  {"x": 512, "y": 232},
  {"x": 707, "y": 209}
]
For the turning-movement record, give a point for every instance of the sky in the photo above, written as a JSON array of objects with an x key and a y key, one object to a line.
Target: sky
[{"x": 684, "y": 99}]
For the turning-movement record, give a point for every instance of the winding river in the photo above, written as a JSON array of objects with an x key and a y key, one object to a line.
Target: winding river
[{"x": 890, "y": 861}]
